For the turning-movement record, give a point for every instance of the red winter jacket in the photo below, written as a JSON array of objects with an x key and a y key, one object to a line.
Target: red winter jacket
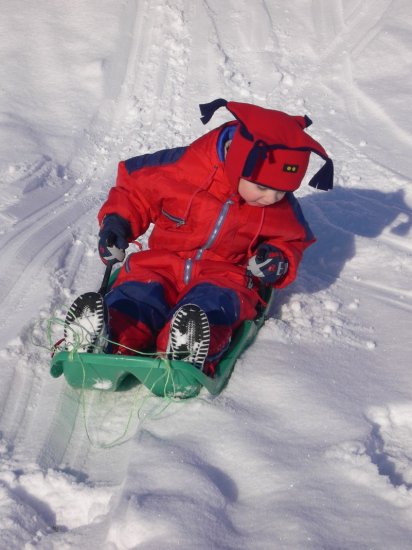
[{"x": 198, "y": 215}]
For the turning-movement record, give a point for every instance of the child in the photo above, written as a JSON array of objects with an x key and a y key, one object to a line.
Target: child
[{"x": 225, "y": 221}]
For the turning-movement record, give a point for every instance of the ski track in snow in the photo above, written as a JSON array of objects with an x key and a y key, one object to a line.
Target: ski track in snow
[
  {"x": 344, "y": 40},
  {"x": 59, "y": 447}
]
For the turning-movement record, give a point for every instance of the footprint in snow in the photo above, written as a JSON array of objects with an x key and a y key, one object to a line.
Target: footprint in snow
[{"x": 390, "y": 443}]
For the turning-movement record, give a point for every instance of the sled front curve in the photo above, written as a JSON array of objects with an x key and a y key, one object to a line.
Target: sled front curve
[{"x": 170, "y": 378}]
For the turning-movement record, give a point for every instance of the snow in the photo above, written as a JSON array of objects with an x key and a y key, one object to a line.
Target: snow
[{"x": 310, "y": 445}]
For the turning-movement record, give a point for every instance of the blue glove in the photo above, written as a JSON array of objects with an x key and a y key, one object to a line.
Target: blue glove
[
  {"x": 268, "y": 265},
  {"x": 113, "y": 238}
]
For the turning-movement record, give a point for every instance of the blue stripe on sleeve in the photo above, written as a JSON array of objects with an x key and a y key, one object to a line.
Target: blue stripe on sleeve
[{"x": 166, "y": 156}]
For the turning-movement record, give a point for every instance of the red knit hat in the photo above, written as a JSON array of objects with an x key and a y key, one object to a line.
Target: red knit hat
[{"x": 270, "y": 147}]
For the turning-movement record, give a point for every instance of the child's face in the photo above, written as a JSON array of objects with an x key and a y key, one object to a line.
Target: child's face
[{"x": 258, "y": 195}]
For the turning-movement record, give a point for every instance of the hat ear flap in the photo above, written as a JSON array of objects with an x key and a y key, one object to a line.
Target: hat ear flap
[
  {"x": 207, "y": 110},
  {"x": 323, "y": 179}
]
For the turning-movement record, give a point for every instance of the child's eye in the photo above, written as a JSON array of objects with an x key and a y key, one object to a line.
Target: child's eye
[{"x": 262, "y": 187}]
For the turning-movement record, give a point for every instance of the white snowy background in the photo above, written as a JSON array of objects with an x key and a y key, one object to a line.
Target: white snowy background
[{"x": 310, "y": 445}]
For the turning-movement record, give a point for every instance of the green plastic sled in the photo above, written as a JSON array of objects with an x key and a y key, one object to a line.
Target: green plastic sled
[{"x": 171, "y": 378}]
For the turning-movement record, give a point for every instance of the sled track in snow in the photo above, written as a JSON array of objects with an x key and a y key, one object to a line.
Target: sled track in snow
[{"x": 27, "y": 249}]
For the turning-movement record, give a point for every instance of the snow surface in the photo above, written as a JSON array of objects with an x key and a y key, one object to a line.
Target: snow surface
[{"x": 310, "y": 445}]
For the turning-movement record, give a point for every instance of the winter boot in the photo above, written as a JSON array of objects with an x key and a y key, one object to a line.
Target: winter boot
[
  {"x": 189, "y": 336},
  {"x": 84, "y": 323}
]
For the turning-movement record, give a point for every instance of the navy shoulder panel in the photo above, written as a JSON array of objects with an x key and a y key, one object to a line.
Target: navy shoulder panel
[
  {"x": 166, "y": 156},
  {"x": 299, "y": 215}
]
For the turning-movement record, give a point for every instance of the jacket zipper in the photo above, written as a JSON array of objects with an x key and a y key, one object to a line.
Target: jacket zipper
[
  {"x": 211, "y": 239},
  {"x": 188, "y": 271},
  {"x": 216, "y": 229}
]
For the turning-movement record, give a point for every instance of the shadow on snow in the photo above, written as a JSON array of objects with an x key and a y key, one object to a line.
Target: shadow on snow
[{"x": 337, "y": 218}]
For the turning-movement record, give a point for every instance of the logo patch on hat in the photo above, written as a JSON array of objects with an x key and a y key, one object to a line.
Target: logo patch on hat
[{"x": 291, "y": 168}]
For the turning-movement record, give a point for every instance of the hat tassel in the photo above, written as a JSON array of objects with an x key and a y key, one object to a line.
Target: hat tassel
[
  {"x": 208, "y": 109},
  {"x": 323, "y": 179}
]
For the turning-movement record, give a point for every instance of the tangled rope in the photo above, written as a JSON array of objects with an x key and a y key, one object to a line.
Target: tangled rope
[{"x": 81, "y": 338}]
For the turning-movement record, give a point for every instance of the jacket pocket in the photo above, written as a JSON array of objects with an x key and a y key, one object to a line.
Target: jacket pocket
[{"x": 176, "y": 220}]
